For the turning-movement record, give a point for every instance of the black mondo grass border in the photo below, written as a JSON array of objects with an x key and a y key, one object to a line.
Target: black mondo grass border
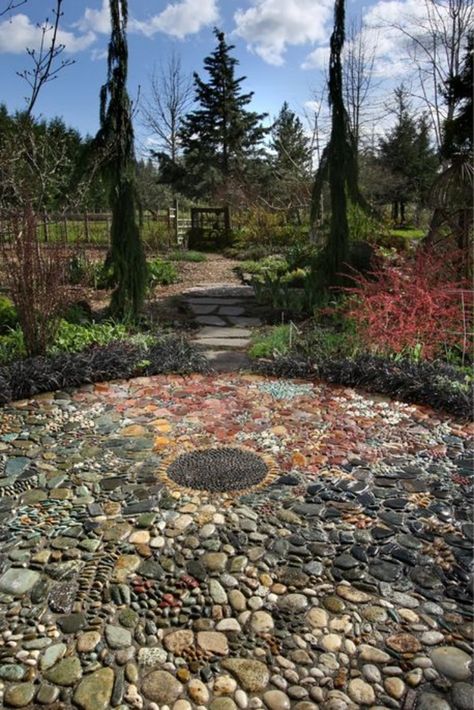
[
  {"x": 120, "y": 360},
  {"x": 434, "y": 384}
]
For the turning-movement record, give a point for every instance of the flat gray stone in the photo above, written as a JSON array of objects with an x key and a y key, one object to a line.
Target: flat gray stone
[
  {"x": 451, "y": 662},
  {"x": 223, "y": 342},
  {"x": 18, "y": 581},
  {"x": 203, "y": 301},
  {"x": 211, "y": 332},
  {"x": 202, "y": 310},
  {"x": 245, "y": 321},
  {"x": 231, "y": 311},
  {"x": 227, "y": 360},
  {"x": 210, "y": 320}
]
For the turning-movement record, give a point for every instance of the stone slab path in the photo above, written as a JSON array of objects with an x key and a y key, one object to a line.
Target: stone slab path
[
  {"x": 225, "y": 314},
  {"x": 345, "y": 582}
]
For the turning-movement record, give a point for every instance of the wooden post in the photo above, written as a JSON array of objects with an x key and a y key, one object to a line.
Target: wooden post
[
  {"x": 86, "y": 226},
  {"x": 45, "y": 227},
  {"x": 175, "y": 205}
]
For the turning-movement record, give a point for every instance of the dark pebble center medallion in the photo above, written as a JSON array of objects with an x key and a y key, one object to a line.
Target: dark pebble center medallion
[{"x": 219, "y": 470}]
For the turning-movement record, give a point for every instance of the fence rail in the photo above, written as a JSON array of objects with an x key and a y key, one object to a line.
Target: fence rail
[{"x": 92, "y": 228}]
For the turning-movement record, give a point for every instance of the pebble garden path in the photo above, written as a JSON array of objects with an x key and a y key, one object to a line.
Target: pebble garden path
[{"x": 345, "y": 581}]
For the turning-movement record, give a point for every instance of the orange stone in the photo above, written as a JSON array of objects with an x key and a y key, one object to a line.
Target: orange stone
[
  {"x": 161, "y": 442},
  {"x": 298, "y": 459}
]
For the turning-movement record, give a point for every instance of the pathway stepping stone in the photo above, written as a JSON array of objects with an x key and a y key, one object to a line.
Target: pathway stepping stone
[{"x": 226, "y": 313}]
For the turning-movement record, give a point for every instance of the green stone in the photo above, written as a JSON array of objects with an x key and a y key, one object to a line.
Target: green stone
[
  {"x": 128, "y": 618},
  {"x": 95, "y": 690},
  {"x": 18, "y": 581},
  {"x": 17, "y": 696},
  {"x": 12, "y": 672},
  {"x": 146, "y": 520},
  {"x": 65, "y": 673},
  {"x": 333, "y": 604}
]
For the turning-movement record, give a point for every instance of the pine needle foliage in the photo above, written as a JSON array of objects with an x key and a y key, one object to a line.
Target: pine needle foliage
[
  {"x": 115, "y": 141},
  {"x": 221, "y": 134}
]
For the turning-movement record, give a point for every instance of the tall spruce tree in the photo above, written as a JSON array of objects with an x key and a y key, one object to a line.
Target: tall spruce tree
[
  {"x": 338, "y": 162},
  {"x": 289, "y": 164},
  {"x": 221, "y": 134},
  {"x": 115, "y": 144},
  {"x": 292, "y": 151},
  {"x": 408, "y": 156}
]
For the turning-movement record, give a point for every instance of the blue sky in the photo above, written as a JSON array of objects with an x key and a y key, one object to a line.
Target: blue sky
[{"x": 281, "y": 45}]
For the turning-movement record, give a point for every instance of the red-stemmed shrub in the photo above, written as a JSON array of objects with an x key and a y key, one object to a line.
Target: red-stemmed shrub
[
  {"x": 417, "y": 305},
  {"x": 36, "y": 278}
]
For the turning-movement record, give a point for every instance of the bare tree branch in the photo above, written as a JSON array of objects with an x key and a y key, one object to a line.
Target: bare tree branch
[
  {"x": 44, "y": 59},
  {"x": 435, "y": 46},
  {"x": 12, "y": 5},
  {"x": 169, "y": 100}
]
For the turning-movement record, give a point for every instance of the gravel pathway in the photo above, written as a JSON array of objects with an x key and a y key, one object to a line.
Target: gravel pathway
[{"x": 342, "y": 580}]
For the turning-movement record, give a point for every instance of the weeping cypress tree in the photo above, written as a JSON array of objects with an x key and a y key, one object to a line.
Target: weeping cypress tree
[
  {"x": 338, "y": 163},
  {"x": 115, "y": 144}
]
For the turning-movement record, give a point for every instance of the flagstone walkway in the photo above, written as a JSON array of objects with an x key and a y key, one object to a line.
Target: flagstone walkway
[
  {"x": 225, "y": 314},
  {"x": 330, "y": 568}
]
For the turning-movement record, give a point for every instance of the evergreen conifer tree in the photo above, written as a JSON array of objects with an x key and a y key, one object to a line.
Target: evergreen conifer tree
[
  {"x": 220, "y": 134},
  {"x": 338, "y": 163},
  {"x": 406, "y": 153},
  {"x": 115, "y": 143},
  {"x": 290, "y": 143}
]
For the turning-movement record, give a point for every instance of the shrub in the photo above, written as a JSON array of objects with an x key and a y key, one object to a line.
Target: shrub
[
  {"x": 74, "y": 338},
  {"x": 161, "y": 273},
  {"x": 174, "y": 354},
  {"x": 183, "y": 255},
  {"x": 8, "y": 315},
  {"x": 417, "y": 306},
  {"x": 12, "y": 345},
  {"x": 36, "y": 276},
  {"x": 262, "y": 227},
  {"x": 270, "y": 343}
]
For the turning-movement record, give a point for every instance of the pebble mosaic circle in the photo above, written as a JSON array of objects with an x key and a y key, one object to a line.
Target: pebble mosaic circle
[{"x": 219, "y": 470}]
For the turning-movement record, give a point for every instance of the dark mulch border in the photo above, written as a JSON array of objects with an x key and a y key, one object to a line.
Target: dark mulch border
[
  {"x": 429, "y": 383},
  {"x": 26, "y": 378}
]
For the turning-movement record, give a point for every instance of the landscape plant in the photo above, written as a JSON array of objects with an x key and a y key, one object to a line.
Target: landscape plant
[
  {"x": 37, "y": 282},
  {"x": 415, "y": 306}
]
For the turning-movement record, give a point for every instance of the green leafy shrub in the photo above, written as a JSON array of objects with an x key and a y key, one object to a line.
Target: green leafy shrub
[
  {"x": 79, "y": 313},
  {"x": 262, "y": 227},
  {"x": 12, "y": 346},
  {"x": 161, "y": 273},
  {"x": 271, "y": 342},
  {"x": 8, "y": 315},
  {"x": 193, "y": 256},
  {"x": 74, "y": 338}
]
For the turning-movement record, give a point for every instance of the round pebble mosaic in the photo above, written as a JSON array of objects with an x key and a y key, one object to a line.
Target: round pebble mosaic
[
  {"x": 220, "y": 469},
  {"x": 340, "y": 577}
]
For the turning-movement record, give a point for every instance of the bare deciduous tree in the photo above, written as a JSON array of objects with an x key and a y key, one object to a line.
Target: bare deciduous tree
[
  {"x": 169, "y": 100},
  {"x": 358, "y": 78},
  {"x": 436, "y": 45}
]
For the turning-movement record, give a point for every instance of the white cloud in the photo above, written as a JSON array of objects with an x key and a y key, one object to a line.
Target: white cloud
[
  {"x": 19, "y": 33},
  {"x": 96, "y": 20},
  {"x": 270, "y": 26},
  {"x": 179, "y": 19},
  {"x": 318, "y": 59}
]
